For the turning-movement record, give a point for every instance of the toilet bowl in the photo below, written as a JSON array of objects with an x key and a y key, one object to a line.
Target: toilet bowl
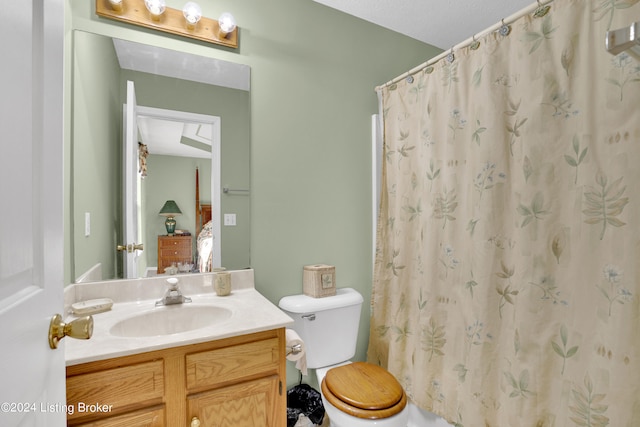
[
  {"x": 361, "y": 394},
  {"x": 354, "y": 394}
]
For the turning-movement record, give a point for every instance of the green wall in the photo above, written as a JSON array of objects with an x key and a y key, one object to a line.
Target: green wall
[
  {"x": 170, "y": 178},
  {"x": 95, "y": 185},
  {"x": 313, "y": 73}
]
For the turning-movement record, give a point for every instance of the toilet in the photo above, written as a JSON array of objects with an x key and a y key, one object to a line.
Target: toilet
[{"x": 354, "y": 394}]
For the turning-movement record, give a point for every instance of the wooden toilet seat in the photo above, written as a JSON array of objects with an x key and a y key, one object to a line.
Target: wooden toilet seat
[{"x": 364, "y": 390}]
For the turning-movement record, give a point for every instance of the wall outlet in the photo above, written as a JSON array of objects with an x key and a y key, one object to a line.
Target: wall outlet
[{"x": 230, "y": 219}]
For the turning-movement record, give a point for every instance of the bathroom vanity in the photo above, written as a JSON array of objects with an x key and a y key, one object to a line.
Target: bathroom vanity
[{"x": 229, "y": 373}]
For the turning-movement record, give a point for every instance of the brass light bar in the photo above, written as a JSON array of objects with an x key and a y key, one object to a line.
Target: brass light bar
[{"x": 171, "y": 21}]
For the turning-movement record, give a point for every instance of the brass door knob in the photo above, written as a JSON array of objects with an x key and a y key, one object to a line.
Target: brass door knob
[
  {"x": 81, "y": 328},
  {"x": 130, "y": 247},
  {"x": 195, "y": 422}
]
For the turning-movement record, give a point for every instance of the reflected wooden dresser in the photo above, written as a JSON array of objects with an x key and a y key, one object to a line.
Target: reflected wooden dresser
[{"x": 173, "y": 249}]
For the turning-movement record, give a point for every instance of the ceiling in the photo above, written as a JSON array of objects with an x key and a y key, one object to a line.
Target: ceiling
[
  {"x": 440, "y": 23},
  {"x": 175, "y": 138}
]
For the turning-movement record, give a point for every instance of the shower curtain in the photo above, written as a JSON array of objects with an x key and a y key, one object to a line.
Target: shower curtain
[{"x": 507, "y": 266}]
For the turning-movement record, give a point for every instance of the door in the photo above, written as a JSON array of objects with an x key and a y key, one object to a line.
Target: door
[
  {"x": 131, "y": 220},
  {"x": 31, "y": 229},
  {"x": 247, "y": 404}
]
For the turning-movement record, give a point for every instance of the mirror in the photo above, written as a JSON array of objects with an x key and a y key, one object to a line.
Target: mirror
[{"x": 166, "y": 80}]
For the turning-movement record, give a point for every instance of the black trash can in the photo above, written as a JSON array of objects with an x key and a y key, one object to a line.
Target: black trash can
[{"x": 304, "y": 399}]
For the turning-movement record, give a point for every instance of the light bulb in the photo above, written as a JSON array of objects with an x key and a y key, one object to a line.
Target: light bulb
[
  {"x": 155, "y": 8},
  {"x": 192, "y": 14},
  {"x": 227, "y": 24},
  {"x": 116, "y": 5}
]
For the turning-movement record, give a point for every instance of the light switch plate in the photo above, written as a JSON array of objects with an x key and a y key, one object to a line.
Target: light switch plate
[
  {"x": 230, "y": 219},
  {"x": 87, "y": 224}
]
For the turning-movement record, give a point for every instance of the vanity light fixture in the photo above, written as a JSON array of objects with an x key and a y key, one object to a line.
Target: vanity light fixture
[
  {"x": 170, "y": 210},
  {"x": 156, "y": 8},
  {"x": 155, "y": 15},
  {"x": 192, "y": 14}
]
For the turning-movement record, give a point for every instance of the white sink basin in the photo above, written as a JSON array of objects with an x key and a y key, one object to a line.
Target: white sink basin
[{"x": 171, "y": 319}]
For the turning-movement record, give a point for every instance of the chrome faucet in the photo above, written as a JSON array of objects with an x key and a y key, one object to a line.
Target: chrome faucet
[{"x": 173, "y": 294}]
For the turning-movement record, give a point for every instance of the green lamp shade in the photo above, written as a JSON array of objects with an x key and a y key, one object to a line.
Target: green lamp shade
[{"x": 170, "y": 210}]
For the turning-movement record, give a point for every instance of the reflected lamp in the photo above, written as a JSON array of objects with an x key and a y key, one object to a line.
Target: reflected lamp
[{"x": 170, "y": 210}]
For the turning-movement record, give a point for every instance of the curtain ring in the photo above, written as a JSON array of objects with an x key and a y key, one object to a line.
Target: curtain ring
[
  {"x": 541, "y": 10},
  {"x": 475, "y": 44},
  {"x": 451, "y": 57},
  {"x": 505, "y": 29}
]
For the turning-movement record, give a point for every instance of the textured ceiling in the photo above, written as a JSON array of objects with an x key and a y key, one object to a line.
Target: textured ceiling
[{"x": 440, "y": 23}]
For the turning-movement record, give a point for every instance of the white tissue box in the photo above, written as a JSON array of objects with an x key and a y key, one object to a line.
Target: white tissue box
[{"x": 319, "y": 280}]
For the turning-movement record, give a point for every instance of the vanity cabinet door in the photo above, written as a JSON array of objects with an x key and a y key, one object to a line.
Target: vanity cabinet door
[
  {"x": 240, "y": 384},
  {"x": 247, "y": 404}
]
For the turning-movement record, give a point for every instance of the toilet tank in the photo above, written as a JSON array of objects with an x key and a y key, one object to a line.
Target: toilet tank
[{"x": 328, "y": 326}]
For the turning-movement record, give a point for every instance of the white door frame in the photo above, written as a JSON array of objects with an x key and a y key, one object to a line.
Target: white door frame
[{"x": 214, "y": 121}]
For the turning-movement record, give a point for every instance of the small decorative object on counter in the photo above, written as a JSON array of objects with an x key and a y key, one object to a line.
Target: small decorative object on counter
[
  {"x": 222, "y": 283},
  {"x": 319, "y": 280},
  {"x": 173, "y": 269}
]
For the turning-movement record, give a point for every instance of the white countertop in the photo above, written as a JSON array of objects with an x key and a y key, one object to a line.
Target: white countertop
[{"x": 251, "y": 312}]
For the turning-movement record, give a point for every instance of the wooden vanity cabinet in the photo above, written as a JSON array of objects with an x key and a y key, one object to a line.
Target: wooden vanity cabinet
[
  {"x": 232, "y": 382},
  {"x": 173, "y": 249}
]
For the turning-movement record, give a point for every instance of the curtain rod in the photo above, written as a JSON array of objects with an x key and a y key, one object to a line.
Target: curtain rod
[{"x": 507, "y": 21}]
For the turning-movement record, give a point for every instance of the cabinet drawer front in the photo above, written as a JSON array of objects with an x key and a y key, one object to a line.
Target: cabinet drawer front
[
  {"x": 175, "y": 252},
  {"x": 175, "y": 243},
  {"x": 214, "y": 367},
  {"x": 146, "y": 418},
  {"x": 118, "y": 388}
]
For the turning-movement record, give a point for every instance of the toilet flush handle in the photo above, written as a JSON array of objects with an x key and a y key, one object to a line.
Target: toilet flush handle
[{"x": 310, "y": 317}]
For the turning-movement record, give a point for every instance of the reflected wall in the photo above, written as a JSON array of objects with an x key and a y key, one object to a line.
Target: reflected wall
[{"x": 96, "y": 173}]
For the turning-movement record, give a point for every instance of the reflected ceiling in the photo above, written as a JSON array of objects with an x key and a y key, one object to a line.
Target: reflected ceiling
[{"x": 170, "y": 63}]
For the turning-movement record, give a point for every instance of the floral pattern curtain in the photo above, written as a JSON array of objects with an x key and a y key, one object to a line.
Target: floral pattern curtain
[{"x": 508, "y": 261}]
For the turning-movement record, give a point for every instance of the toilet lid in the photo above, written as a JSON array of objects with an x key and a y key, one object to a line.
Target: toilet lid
[{"x": 364, "y": 385}]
